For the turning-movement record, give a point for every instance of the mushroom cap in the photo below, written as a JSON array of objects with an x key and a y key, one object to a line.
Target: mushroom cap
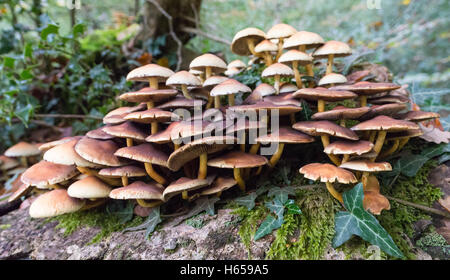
[
  {"x": 98, "y": 151},
  {"x": 332, "y": 78},
  {"x": 285, "y": 135},
  {"x": 404, "y": 134},
  {"x": 208, "y": 60},
  {"x": 195, "y": 148},
  {"x": 280, "y": 30},
  {"x": 288, "y": 88},
  {"x": 99, "y": 134},
  {"x": 125, "y": 130},
  {"x": 239, "y": 44},
  {"x": 277, "y": 69},
  {"x": 386, "y": 109},
  {"x": 336, "y": 48},
  {"x": 148, "y": 94},
  {"x": 44, "y": 173},
  {"x": 389, "y": 99},
  {"x": 46, "y": 146},
  {"x": 143, "y": 153},
  {"x": 7, "y": 162},
  {"x": 367, "y": 88},
  {"x": 116, "y": 115},
  {"x": 181, "y": 102},
  {"x": 89, "y": 187},
  {"x": 417, "y": 116},
  {"x": 145, "y": 72},
  {"x": 268, "y": 106},
  {"x": 186, "y": 184},
  {"x": 138, "y": 190},
  {"x": 232, "y": 71},
  {"x": 54, "y": 203},
  {"x": 183, "y": 78},
  {"x": 327, "y": 173},
  {"x": 305, "y": 38},
  {"x": 127, "y": 171},
  {"x": 323, "y": 94},
  {"x": 219, "y": 185},
  {"x": 65, "y": 154},
  {"x": 319, "y": 128},
  {"x": 181, "y": 130},
  {"x": 244, "y": 124},
  {"x": 229, "y": 86},
  {"x": 295, "y": 55},
  {"x": 283, "y": 99},
  {"x": 366, "y": 165},
  {"x": 348, "y": 147},
  {"x": 22, "y": 149},
  {"x": 341, "y": 112},
  {"x": 385, "y": 123},
  {"x": 237, "y": 159},
  {"x": 214, "y": 81},
  {"x": 152, "y": 115},
  {"x": 22, "y": 190},
  {"x": 375, "y": 202},
  {"x": 266, "y": 46},
  {"x": 237, "y": 64}
]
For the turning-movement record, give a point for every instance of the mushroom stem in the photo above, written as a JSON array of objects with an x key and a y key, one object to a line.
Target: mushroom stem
[
  {"x": 298, "y": 77},
  {"x": 185, "y": 195},
  {"x": 217, "y": 101},
  {"x": 124, "y": 181},
  {"x": 238, "y": 178},
  {"x": 219, "y": 194},
  {"x": 362, "y": 100},
  {"x": 154, "y": 127},
  {"x": 345, "y": 158},
  {"x": 380, "y": 141},
  {"x": 24, "y": 161},
  {"x": 210, "y": 102},
  {"x": 93, "y": 203},
  {"x": 254, "y": 149},
  {"x": 55, "y": 186},
  {"x": 208, "y": 72},
  {"x": 330, "y": 64},
  {"x": 150, "y": 104},
  {"x": 402, "y": 143},
  {"x": 230, "y": 99},
  {"x": 203, "y": 167},
  {"x": 144, "y": 203},
  {"x": 391, "y": 150},
  {"x": 320, "y": 105},
  {"x": 372, "y": 135},
  {"x": 185, "y": 92},
  {"x": 153, "y": 174},
  {"x": 91, "y": 172},
  {"x": 326, "y": 141},
  {"x": 251, "y": 46},
  {"x": 242, "y": 144},
  {"x": 365, "y": 179},
  {"x": 292, "y": 118},
  {"x": 277, "y": 84},
  {"x": 280, "y": 48},
  {"x": 129, "y": 142},
  {"x": 334, "y": 192},
  {"x": 176, "y": 146},
  {"x": 342, "y": 123},
  {"x": 153, "y": 82},
  {"x": 268, "y": 58},
  {"x": 276, "y": 156}
]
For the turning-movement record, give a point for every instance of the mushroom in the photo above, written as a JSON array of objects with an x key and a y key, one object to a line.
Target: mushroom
[
  {"x": 147, "y": 154},
  {"x": 229, "y": 87},
  {"x": 386, "y": 110},
  {"x": 244, "y": 41},
  {"x": 185, "y": 185},
  {"x": 90, "y": 188},
  {"x": 348, "y": 148},
  {"x": 23, "y": 150},
  {"x": 238, "y": 160},
  {"x": 239, "y": 64},
  {"x": 99, "y": 134},
  {"x": 184, "y": 79},
  {"x": 218, "y": 186},
  {"x": 296, "y": 58},
  {"x": 54, "y": 203},
  {"x": 47, "y": 146},
  {"x": 364, "y": 89},
  {"x": 341, "y": 114},
  {"x": 209, "y": 63},
  {"x": 47, "y": 175},
  {"x": 280, "y": 32},
  {"x": 182, "y": 103},
  {"x": 328, "y": 174},
  {"x": 266, "y": 47},
  {"x": 241, "y": 127},
  {"x": 151, "y": 116},
  {"x": 152, "y": 73},
  {"x": 146, "y": 194},
  {"x": 116, "y": 116},
  {"x": 126, "y": 130},
  {"x": 123, "y": 172},
  {"x": 259, "y": 93},
  {"x": 322, "y": 94},
  {"x": 366, "y": 166},
  {"x": 230, "y": 72},
  {"x": 332, "y": 79},
  {"x": 400, "y": 139},
  {"x": 330, "y": 50},
  {"x": 277, "y": 70}
]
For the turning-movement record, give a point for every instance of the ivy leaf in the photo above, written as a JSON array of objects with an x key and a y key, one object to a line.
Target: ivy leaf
[
  {"x": 410, "y": 164},
  {"x": 281, "y": 193},
  {"x": 78, "y": 29},
  {"x": 267, "y": 226},
  {"x": 49, "y": 29},
  {"x": 28, "y": 50},
  {"x": 435, "y": 151},
  {"x": 8, "y": 62},
  {"x": 277, "y": 207},
  {"x": 122, "y": 209},
  {"x": 154, "y": 218},
  {"x": 247, "y": 201},
  {"x": 359, "y": 222},
  {"x": 292, "y": 207},
  {"x": 445, "y": 157}
]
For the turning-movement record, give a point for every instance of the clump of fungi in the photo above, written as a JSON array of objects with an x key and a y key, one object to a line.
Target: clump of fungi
[{"x": 149, "y": 153}]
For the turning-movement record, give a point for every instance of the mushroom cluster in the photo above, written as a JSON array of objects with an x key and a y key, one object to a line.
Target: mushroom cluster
[{"x": 184, "y": 135}]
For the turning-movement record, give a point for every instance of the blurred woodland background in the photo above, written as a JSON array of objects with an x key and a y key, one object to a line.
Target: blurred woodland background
[{"x": 63, "y": 62}]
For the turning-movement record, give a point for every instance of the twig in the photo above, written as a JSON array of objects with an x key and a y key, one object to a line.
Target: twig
[
  {"x": 67, "y": 116},
  {"x": 172, "y": 32},
  {"x": 419, "y": 206},
  {"x": 204, "y": 34}
]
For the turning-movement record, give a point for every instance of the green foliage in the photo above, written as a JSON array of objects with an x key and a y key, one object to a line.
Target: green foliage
[
  {"x": 153, "y": 219},
  {"x": 196, "y": 221},
  {"x": 432, "y": 239}
]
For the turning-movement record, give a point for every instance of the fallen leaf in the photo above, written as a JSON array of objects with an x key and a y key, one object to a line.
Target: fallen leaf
[
  {"x": 375, "y": 202},
  {"x": 435, "y": 135}
]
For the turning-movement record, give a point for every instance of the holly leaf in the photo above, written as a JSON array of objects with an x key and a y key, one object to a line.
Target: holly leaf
[
  {"x": 267, "y": 226},
  {"x": 292, "y": 207},
  {"x": 357, "y": 221},
  {"x": 247, "y": 201}
]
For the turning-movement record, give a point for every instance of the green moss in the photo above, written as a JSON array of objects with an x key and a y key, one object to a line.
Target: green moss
[
  {"x": 196, "y": 221},
  {"x": 432, "y": 239}
]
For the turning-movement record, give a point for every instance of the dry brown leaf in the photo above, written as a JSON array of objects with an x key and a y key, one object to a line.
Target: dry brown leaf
[
  {"x": 435, "y": 135},
  {"x": 375, "y": 202}
]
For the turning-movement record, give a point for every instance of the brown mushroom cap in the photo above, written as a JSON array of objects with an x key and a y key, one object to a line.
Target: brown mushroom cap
[
  {"x": 237, "y": 159},
  {"x": 183, "y": 78},
  {"x": 283, "y": 100},
  {"x": 348, "y": 147},
  {"x": 229, "y": 86},
  {"x": 116, "y": 116},
  {"x": 22, "y": 149},
  {"x": 305, "y": 38},
  {"x": 98, "y": 151},
  {"x": 404, "y": 134},
  {"x": 138, "y": 190},
  {"x": 367, "y": 88},
  {"x": 288, "y": 88},
  {"x": 315, "y": 94},
  {"x": 239, "y": 44},
  {"x": 148, "y": 94},
  {"x": 219, "y": 185},
  {"x": 127, "y": 171},
  {"x": 54, "y": 203},
  {"x": 258, "y": 93},
  {"x": 417, "y": 116},
  {"x": 385, "y": 123},
  {"x": 266, "y": 46},
  {"x": 268, "y": 106},
  {"x": 145, "y": 72},
  {"x": 65, "y": 154},
  {"x": 336, "y": 48},
  {"x": 44, "y": 173},
  {"x": 295, "y": 55},
  {"x": 341, "y": 113},
  {"x": 195, "y": 148},
  {"x": 277, "y": 69},
  {"x": 186, "y": 184},
  {"x": 143, "y": 153},
  {"x": 208, "y": 60},
  {"x": 319, "y": 128},
  {"x": 46, "y": 146},
  {"x": 214, "y": 81},
  {"x": 280, "y": 30},
  {"x": 327, "y": 173},
  {"x": 8, "y": 163},
  {"x": 386, "y": 109},
  {"x": 236, "y": 64},
  {"x": 366, "y": 165},
  {"x": 22, "y": 190},
  {"x": 125, "y": 130},
  {"x": 99, "y": 134},
  {"x": 389, "y": 99},
  {"x": 181, "y": 102},
  {"x": 244, "y": 124},
  {"x": 89, "y": 187},
  {"x": 152, "y": 115},
  {"x": 332, "y": 78},
  {"x": 285, "y": 135}
]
